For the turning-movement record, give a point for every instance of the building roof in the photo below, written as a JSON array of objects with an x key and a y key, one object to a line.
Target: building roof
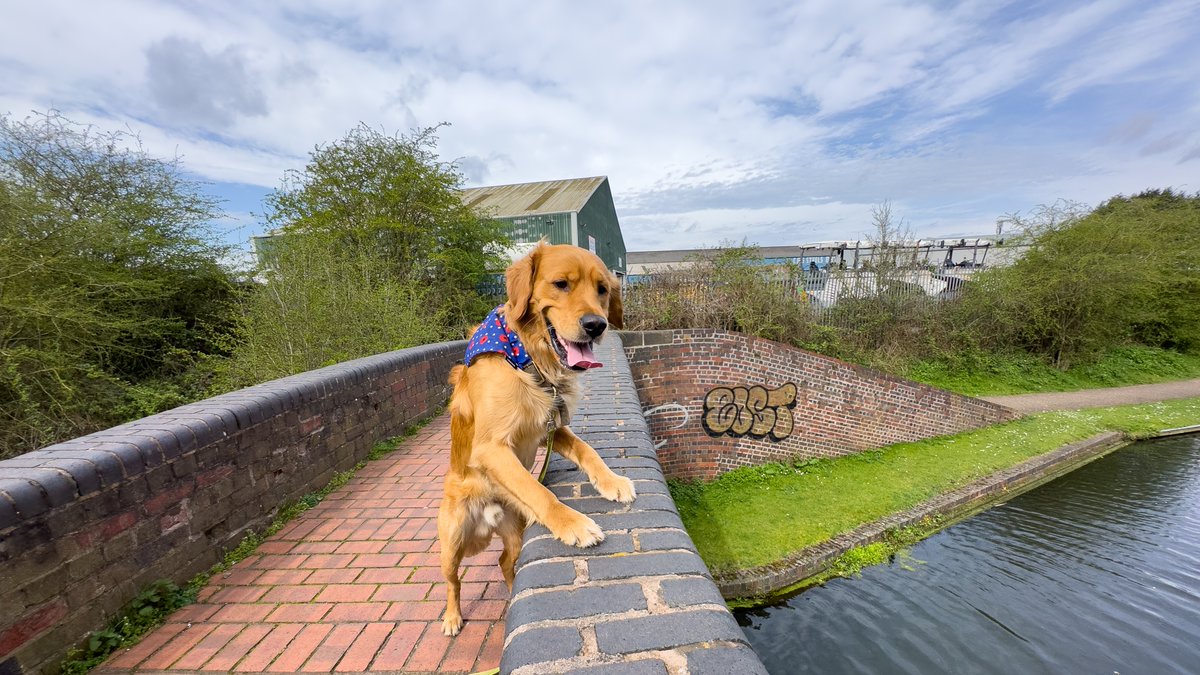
[
  {"x": 680, "y": 255},
  {"x": 527, "y": 199}
]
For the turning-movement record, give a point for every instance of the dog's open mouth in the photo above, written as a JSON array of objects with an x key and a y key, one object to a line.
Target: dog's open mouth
[{"x": 574, "y": 355}]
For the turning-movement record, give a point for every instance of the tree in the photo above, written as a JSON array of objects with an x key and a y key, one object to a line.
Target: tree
[
  {"x": 109, "y": 280},
  {"x": 892, "y": 242},
  {"x": 392, "y": 194},
  {"x": 881, "y": 306},
  {"x": 373, "y": 251}
]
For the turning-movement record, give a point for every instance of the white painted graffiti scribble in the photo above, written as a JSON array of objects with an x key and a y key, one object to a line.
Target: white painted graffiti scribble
[
  {"x": 668, "y": 407},
  {"x": 754, "y": 411}
]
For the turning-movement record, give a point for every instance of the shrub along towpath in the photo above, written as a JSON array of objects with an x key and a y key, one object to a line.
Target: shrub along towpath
[{"x": 767, "y": 528}]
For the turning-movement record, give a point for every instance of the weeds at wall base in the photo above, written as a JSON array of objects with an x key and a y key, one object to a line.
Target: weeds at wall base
[
  {"x": 894, "y": 548},
  {"x": 153, "y": 605}
]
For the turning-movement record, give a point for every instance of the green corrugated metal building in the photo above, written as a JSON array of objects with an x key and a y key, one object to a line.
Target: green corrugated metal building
[{"x": 577, "y": 211}]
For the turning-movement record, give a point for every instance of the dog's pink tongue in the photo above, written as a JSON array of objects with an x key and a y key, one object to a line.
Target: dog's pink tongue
[{"x": 579, "y": 355}]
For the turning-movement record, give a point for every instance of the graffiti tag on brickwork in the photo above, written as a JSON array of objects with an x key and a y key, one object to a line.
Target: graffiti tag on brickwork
[{"x": 753, "y": 411}]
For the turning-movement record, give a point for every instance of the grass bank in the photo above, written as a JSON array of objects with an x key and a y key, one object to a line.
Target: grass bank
[
  {"x": 996, "y": 374},
  {"x": 758, "y": 515}
]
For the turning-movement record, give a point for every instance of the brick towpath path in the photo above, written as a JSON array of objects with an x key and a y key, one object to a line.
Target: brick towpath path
[{"x": 351, "y": 585}]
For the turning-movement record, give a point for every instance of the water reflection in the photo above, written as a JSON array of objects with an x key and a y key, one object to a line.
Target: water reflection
[{"x": 1096, "y": 572}]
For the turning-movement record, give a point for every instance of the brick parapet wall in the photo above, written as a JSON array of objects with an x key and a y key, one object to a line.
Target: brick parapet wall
[
  {"x": 86, "y": 524},
  {"x": 838, "y": 408},
  {"x": 642, "y": 601}
]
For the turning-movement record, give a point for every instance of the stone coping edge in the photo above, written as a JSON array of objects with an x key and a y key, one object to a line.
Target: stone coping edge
[
  {"x": 46, "y": 478},
  {"x": 956, "y": 504},
  {"x": 640, "y": 602}
]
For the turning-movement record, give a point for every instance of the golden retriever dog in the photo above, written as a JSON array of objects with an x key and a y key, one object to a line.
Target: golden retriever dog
[{"x": 519, "y": 380}]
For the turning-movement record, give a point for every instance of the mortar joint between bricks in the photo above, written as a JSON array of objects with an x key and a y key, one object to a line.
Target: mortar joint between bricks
[
  {"x": 581, "y": 571},
  {"x": 674, "y": 660},
  {"x": 652, "y": 589},
  {"x": 590, "y": 644},
  {"x": 578, "y": 623}
]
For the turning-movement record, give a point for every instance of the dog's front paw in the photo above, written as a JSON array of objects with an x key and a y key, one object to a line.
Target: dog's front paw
[
  {"x": 451, "y": 624},
  {"x": 575, "y": 529},
  {"x": 616, "y": 488}
]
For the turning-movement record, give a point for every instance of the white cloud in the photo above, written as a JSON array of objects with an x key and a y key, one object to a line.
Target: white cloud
[
  {"x": 1122, "y": 50},
  {"x": 706, "y": 116}
]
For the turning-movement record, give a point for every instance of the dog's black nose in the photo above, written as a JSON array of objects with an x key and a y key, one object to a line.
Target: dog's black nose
[{"x": 593, "y": 325}]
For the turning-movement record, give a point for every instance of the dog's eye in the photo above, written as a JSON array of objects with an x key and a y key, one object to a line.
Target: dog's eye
[
  {"x": 562, "y": 284},
  {"x": 602, "y": 289}
]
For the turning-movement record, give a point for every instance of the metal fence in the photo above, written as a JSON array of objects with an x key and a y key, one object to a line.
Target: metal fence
[{"x": 825, "y": 294}]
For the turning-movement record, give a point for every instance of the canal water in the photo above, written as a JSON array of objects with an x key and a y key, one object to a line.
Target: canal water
[{"x": 1095, "y": 572}]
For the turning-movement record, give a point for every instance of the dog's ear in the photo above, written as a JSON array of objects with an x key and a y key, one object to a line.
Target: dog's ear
[
  {"x": 519, "y": 281},
  {"x": 616, "y": 313}
]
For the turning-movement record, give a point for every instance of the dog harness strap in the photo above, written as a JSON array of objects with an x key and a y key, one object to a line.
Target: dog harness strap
[
  {"x": 494, "y": 335},
  {"x": 558, "y": 417}
]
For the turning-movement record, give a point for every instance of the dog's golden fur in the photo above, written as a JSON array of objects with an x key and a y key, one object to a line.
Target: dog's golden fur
[{"x": 498, "y": 419}]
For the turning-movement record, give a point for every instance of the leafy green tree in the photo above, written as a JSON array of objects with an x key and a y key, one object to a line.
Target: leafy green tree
[
  {"x": 110, "y": 283},
  {"x": 373, "y": 250},
  {"x": 393, "y": 194}
]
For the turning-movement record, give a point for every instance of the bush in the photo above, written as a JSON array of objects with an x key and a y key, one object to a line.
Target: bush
[
  {"x": 374, "y": 252},
  {"x": 325, "y": 300},
  {"x": 724, "y": 289},
  {"x": 1124, "y": 273},
  {"x": 110, "y": 287},
  {"x": 1096, "y": 287}
]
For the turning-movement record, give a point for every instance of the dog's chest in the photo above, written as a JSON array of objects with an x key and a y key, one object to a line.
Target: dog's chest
[{"x": 543, "y": 408}]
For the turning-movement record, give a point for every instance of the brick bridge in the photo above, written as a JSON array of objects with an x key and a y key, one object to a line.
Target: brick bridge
[{"x": 353, "y": 584}]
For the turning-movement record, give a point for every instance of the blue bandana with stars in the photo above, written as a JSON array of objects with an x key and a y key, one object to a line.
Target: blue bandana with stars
[{"x": 494, "y": 335}]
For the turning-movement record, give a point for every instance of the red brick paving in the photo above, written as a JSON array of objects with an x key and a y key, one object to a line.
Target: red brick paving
[{"x": 351, "y": 585}]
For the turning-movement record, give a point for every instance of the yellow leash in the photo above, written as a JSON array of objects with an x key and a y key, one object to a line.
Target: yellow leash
[{"x": 546, "y": 461}]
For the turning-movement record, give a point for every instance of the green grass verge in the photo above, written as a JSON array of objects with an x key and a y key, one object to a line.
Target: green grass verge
[
  {"x": 992, "y": 374},
  {"x": 758, "y": 515},
  {"x": 153, "y": 605}
]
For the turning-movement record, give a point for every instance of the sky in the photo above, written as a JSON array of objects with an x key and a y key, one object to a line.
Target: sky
[{"x": 767, "y": 122}]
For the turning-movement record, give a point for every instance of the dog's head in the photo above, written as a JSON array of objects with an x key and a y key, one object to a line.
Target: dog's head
[{"x": 565, "y": 296}]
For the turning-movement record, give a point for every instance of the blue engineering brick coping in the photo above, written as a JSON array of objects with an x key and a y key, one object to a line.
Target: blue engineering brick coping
[{"x": 641, "y": 601}]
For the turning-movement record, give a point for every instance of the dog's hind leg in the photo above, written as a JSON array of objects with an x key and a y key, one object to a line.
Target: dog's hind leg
[
  {"x": 451, "y": 541},
  {"x": 511, "y": 530}
]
